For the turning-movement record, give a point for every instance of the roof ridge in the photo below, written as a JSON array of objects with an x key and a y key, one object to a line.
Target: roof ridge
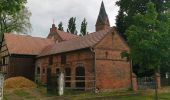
[
  {"x": 75, "y": 44},
  {"x": 25, "y": 35}
]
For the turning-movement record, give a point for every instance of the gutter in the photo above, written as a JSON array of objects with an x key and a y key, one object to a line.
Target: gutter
[{"x": 94, "y": 66}]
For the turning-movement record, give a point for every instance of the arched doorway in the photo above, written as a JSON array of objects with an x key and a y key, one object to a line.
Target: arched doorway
[{"x": 80, "y": 78}]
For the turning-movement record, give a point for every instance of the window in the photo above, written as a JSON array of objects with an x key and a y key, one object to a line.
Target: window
[
  {"x": 3, "y": 61},
  {"x": 50, "y": 60},
  {"x": 38, "y": 70},
  {"x": 63, "y": 59},
  {"x": 80, "y": 78},
  {"x": 43, "y": 70},
  {"x": 106, "y": 54},
  {"x": 57, "y": 70},
  {"x": 67, "y": 77}
]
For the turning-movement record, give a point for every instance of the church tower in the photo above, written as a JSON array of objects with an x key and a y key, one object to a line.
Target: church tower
[{"x": 102, "y": 20}]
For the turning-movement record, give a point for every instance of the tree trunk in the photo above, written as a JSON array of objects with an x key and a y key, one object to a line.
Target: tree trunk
[{"x": 156, "y": 87}]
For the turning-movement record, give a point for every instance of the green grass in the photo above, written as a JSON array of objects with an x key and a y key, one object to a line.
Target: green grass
[
  {"x": 40, "y": 93},
  {"x": 118, "y": 95},
  {"x": 21, "y": 93}
]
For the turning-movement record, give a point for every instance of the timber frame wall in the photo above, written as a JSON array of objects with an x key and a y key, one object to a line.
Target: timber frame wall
[{"x": 16, "y": 64}]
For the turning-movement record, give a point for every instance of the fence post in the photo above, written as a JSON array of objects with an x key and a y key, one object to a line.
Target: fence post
[
  {"x": 134, "y": 82},
  {"x": 158, "y": 80}
]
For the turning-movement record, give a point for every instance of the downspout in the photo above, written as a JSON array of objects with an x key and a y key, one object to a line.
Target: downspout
[
  {"x": 131, "y": 72},
  {"x": 94, "y": 66}
]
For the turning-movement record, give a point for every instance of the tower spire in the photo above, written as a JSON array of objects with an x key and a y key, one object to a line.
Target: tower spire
[{"x": 102, "y": 20}]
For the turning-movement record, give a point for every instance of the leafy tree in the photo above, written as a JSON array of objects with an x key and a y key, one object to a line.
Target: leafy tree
[
  {"x": 72, "y": 26},
  {"x": 11, "y": 7},
  {"x": 149, "y": 39},
  {"x": 14, "y": 16},
  {"x": 83, "y": 29},
  {"x": 129, "y": 8},
  {"x": 60, "y": 26}
]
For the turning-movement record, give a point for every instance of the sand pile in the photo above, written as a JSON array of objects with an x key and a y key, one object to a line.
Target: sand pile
[{"x": 18, "y": 82}]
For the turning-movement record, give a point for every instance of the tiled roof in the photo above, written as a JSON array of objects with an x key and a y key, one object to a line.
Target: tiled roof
[
  {"x": 75, "y": 44},
  {"x": 54, "y": 32},
  {"x": 25, "y": 44},
  {"x": 102, "y": 17},
  {"x": 65, "y": 35}
]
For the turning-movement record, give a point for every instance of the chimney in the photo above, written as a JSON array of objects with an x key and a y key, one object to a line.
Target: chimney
[{"x": 53, "y": 29}]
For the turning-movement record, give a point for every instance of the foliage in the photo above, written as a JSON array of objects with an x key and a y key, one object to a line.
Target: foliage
[
  {"x": 129, "y": 8},
  {"x": 14, "y": 16},
  {"x": 60, "y": 26},
  {"x": 72, "y": 26},
  {"x": 83, "y": 29},
  {"x": 11, "y": 7},
  {"x": 149, "y": 39}
]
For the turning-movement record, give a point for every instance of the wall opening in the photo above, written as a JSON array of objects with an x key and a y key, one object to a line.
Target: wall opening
[
  {"x": 80, "y": 78},
  {"x": 67, "y": 77},
  {"x": 38, "y": 70}
]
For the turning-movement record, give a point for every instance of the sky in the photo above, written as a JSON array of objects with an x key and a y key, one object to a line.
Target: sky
[{"x": 45, "y": 11}]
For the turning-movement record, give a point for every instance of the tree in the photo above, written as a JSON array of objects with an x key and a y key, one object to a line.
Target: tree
[
  {"x": 11, "y": 6},
  {"x": 83, "y": 29},
  {"x": 72, "y": 26},
  {"x": 129, "y": 8},
  {"x": 14, "y": 18},
  {"x": 60, "y": 26},
  {"x": 149, "y": 39}
]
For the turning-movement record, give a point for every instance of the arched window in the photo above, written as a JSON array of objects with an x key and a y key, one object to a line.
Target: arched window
[
  {"x": 38, "y": 70},
  {"x": 43, "y": 70},
  {"x": 80, "y": 78}
]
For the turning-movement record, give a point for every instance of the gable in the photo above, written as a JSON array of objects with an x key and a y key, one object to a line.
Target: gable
[
  {"x": 54, "y": 36},
  {"x": 60, "y": 36},
  {"x": 113, "y": 41}
]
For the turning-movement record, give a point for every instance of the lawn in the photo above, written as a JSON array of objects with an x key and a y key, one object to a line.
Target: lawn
[{"x": 40, "y": 94}]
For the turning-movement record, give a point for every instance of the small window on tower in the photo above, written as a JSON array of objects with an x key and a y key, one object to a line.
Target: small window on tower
[{"x": 106, "y": 54}]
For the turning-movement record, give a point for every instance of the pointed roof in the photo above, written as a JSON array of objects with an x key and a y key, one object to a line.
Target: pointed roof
[{"x": 102, "y": 17}]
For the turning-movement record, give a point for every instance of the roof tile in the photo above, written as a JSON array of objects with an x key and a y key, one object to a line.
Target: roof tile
[
  {"x": 75, "y": 44},
  {"x": 25, "y": 44}
]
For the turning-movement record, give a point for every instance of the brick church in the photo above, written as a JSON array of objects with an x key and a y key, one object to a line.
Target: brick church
[{"x": 90, "y": 61}]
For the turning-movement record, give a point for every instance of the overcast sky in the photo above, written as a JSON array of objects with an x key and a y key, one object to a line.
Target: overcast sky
[{"x": 44, "y": 11}]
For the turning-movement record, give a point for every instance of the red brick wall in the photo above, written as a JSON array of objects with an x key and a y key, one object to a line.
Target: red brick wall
[
  {"x": 112, "y": 74},
  {"x": 102, "y": 27},
  {"x": 112, "y": 71},
  {"x": 73, "y": 59}
]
